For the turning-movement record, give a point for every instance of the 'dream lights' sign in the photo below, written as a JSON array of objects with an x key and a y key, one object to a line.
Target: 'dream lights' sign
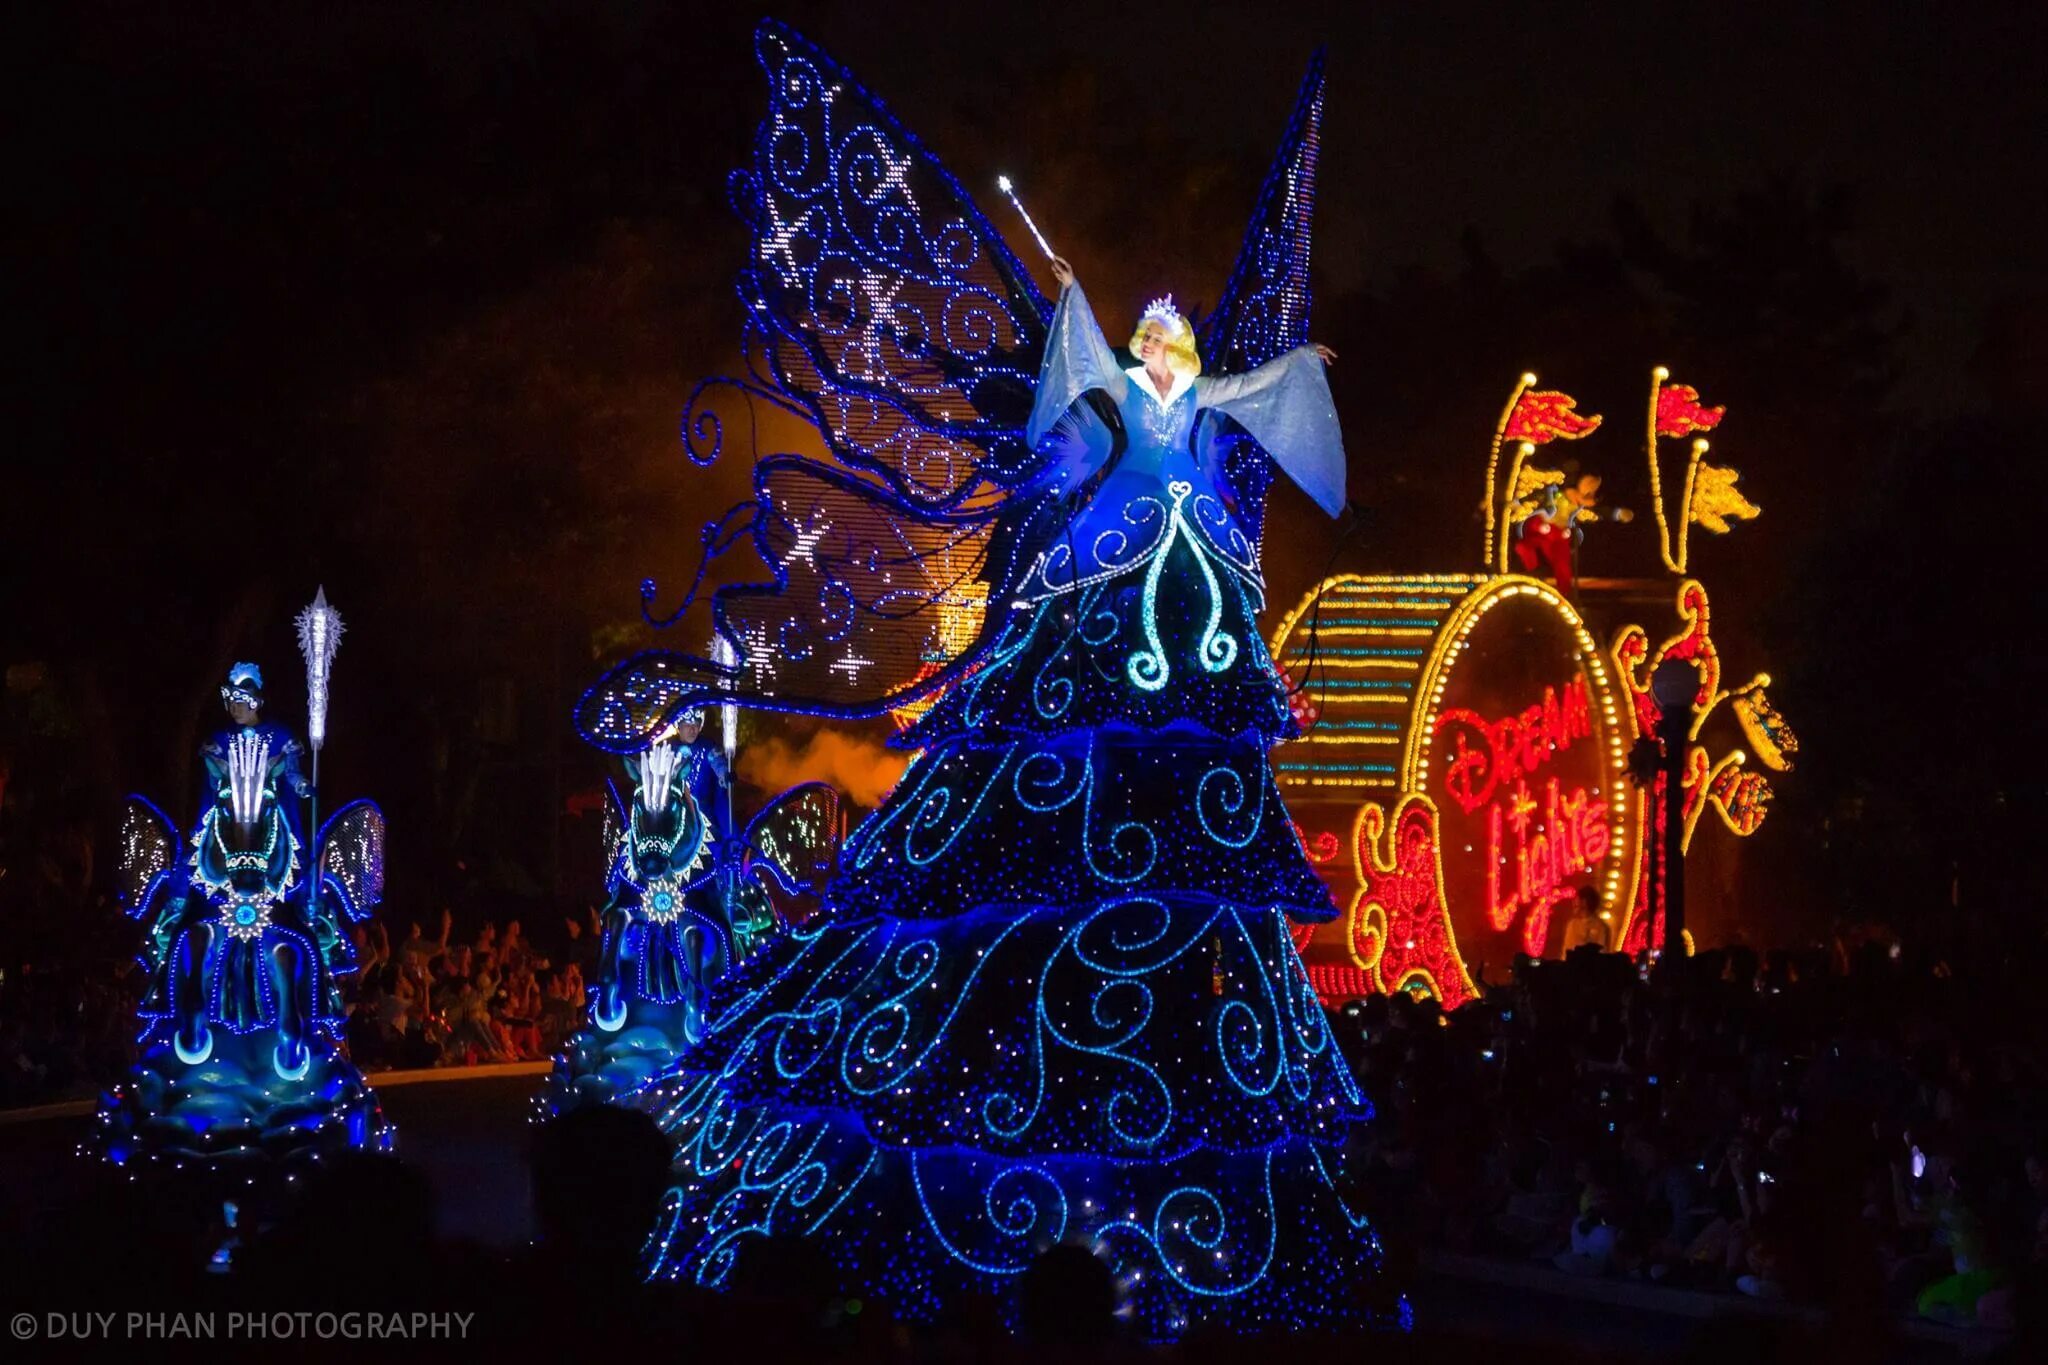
[
  {"x": 1542, "y": 832},
  {"x": 1524, "y": 776}
]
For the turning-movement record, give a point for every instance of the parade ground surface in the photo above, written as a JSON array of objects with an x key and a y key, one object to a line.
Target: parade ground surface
[{"x": 466, "y": 1129}]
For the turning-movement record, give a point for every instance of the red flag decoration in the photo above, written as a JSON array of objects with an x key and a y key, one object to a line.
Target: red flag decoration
[
  {"x": 1542, "y": 416},
  {"x": 1679, "y": 411}
]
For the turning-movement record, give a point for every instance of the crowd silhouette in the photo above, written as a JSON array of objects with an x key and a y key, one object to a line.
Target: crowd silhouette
[{"x": 1852, "y": 1137}]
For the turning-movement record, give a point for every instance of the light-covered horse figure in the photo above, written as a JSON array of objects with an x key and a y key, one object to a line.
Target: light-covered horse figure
[{"x": 245, "y": 945}]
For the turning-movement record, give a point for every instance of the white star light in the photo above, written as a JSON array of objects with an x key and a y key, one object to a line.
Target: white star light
[
  {"x": 806, "y": 544},
  {"x": 881, "y": 291},
  {"x": 851, "y": 665}
]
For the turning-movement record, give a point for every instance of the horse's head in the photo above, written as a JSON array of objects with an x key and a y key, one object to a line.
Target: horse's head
[
  {"x": 668, "y": 840},
  {"x": 254, "y": 826}
]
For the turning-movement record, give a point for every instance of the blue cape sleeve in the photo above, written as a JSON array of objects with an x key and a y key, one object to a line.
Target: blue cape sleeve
[
  {"x": 1286, "y": 406},
  {"x": 1077, "y": 359}
]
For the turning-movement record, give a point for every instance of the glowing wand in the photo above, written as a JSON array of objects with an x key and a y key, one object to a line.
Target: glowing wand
[
  {"x": 1003, "y": 184},
  {"x": 319, "y": 636},
  {"x": 728, "y": 660}
]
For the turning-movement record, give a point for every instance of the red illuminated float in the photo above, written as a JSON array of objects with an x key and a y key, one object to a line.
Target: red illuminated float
[
  {"x": 1462, "y": 778},
  {"x": 1472, "y": 746}
]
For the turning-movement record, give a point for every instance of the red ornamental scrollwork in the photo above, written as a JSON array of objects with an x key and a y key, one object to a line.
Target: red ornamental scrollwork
[
  {"x": 1694, "y": 641},
  {"x": 1319, "y": 848},
  {"x": 1400, "y": 928},
  {"x": 1740, "y": 796}
]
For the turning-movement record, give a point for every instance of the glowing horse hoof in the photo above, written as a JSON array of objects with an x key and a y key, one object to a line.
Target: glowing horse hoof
[
  {"x": 193, "y": 1056},
  {"x": 287, "y": 1071},
  {"x": 610, "y": 1019}
]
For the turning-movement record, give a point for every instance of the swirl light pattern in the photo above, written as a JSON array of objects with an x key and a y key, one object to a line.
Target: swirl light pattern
[
  {"x": 940, "y": 1100},
  {"x": 1052, "y": 994}
]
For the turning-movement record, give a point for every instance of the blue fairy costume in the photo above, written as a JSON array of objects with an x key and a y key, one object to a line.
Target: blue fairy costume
[{"x": 1052, "y": 993}]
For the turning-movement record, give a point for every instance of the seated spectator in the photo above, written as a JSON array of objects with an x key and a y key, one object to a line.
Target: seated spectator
[
  {"x": 513, "y": 950},
  {"x": 521, "y": 1009},
  {"x": 1585, "y": 925},
  {"x": 1975, "y": 1268},
  {"x": 419, "y": 953},
  {"x": 562, "y": 1012}
]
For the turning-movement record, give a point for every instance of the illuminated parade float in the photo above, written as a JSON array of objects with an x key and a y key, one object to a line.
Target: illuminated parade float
[
  {"x": 1467, "y": 760},
  {"x": 242, "y": 1066},
  {"x": 1052, "y": 994},
  {"x": 1464, "y": 778},
  {"x": 690, "y": 893}
]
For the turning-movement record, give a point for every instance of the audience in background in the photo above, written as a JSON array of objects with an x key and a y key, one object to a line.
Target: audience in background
[
  {"x": 1862, "y": 1127},
  {"x": 445, "y": 1002},
  {"x": 1794, "y": 1127},
  {"x": 67, "y": 1013}
]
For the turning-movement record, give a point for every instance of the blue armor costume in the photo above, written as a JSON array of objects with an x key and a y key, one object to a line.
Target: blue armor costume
[{"x": 241, "y": 1020}]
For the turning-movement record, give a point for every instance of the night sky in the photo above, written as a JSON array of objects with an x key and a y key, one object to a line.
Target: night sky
[{"x": 405, "y": 298}]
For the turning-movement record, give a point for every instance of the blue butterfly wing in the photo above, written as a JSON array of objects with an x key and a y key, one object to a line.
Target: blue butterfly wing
[
  {"x": 613, "y": 836},
  {"x": 892, "y": 312},
  {"x": 351, "y": 846},
  {"x": 884, "y": 309},
  {"x": 795, "y": 838},
  {"x": 147, "y": 857},
  {"x": 1264, "y": 309}
]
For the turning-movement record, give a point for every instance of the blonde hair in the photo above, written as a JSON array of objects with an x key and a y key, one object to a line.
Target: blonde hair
[{"x": 1181, "y": 356}]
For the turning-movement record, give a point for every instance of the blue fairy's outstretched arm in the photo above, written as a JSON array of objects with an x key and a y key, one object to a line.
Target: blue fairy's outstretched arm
[
  {"x": 1286, "y": 406},
  {"x": 1077, "y": 359}
]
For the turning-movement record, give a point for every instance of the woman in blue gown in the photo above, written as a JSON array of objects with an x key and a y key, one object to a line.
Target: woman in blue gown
[{"x": 1052, "y": 995}]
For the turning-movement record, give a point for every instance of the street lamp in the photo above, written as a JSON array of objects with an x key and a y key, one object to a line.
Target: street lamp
[{"x": 1675, "y": 687}]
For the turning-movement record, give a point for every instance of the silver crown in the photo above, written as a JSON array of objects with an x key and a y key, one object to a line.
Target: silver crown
[{"x": 1162, "y": 308}]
